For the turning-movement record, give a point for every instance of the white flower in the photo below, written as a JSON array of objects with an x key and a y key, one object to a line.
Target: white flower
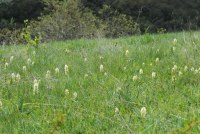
[
  {"x": 135, "y": 78},
  {"x": 124, "y": 68},
  {"x": 192, "y": 69},
  {"x": 143, "y": 112},
  {"x": 174, "y": 69},
  {"x": 48, "y": 74},
  {"x": 105, "y": 74},
  {"x": 75, "y": 95},
  {"x": 173, "y": 78},
  {"x": 126, "y": 53},
  {"x": 175, "y": 41},
  {"x": 173, "y": 48},
  {"x": 57, "y": 70},
  {"x": 86, "y": 75},
  {"x": 11, "y": 58},
  {"x": 116, "y": 110},
  {"x": 34, "y": 53},
  {"x": 196, "y": 71},
  {"x": 153, "y": 75},
  {"x": 66, "y": 92},
  {"x": 185, "y": 68},
  {"x": 13, "y": 77},
  {"x": 36, "y": 86},
  {"x": 18, "y": 77},
  {"x": 28, "y": 61},
  {"x": 141, "y": 71},
  {"x": 66, "y": 68},
  {"x": 1, "y": 104},
  {"x": 157, "y": 60},
  {"x": 101, "y": 68},
  {"x": 85, "y": 59},
  {"x": 33, "y": 63},
  {"x": 100, "y": 57},
  {"x": 6, "y": 65},
  {"x": 180, "y": 73},
  {"x": 24, "y": 68}
]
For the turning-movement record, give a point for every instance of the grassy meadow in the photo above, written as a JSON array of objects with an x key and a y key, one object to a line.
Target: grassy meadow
[{"x": 142, "y": 84}]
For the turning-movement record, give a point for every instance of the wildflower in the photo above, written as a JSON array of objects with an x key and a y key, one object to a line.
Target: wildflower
[
  {"x": 157, "y": 60},
  {"x": 13, "y": 77},
  {"x": 85, "y": 59},
  {"x": 173, "y": 48},
  {"x": 135, "y": 78},
  {"x": 153, "y": 75},
  {"x": 175, "y": 41},
  {"x": 66, "y": 68},
  {"x": 185, "y": 68},
  {"x": 101, "y": 68},
  {"x": 75, "y": 95},
  {"x": 118, "y": 89},
  {"x": 141, "y": 71},
  {"x": 143, "y": 63},
  {"x": 1, "y": 104},
  {"x": 192, "y": 69},
  {"x": 173, "y": 78},
  {"x": 124, "y": 68},
  {"x": 180, "y": 73},
  {"x": 174, "y": 69},
  {"x": 11, "y": 58},
  {"x": 126, "y": 53},
  {"x": 105, "y": 74},
  {"x": 143, "y": 112},
  {"x": 33, "y": 63},
  {"x": 36, "y": 86},
  {"x": 34, "y": 53},
  {"x": 100, "y": 57},
  {"x": 150, "y": 64},
  {"x": 18, "y": 77},
  {"x": 67, "y": 50},
  {"x": 28, "y": 61},
  {"x": 66, "y": 92},
  {"x": 48, "y": 74},
  {"x": 57, "y": 70},
  {"x": 116, "y": 110},
  {"x": 24, "y": 68},
  {"x": 196, "y": 71},
  {"x": 6, "y": 65},
  {"x": 86, "y": 75}
]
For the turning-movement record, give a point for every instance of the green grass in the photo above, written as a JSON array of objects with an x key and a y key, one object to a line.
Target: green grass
[{"x": 172, "y": 106}]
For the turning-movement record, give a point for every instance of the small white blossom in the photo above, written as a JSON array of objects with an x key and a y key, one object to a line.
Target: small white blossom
[
  {"x": 174, "y": 69},
  {"x": 36, "y": 86},
  {"x": 116, "y": 110},
  {"x": 126, "y": 53},
  {"x": 24, "y": 68},
  {"x": 1, "y": 104},
  {"x": 101, "y": 68},
  {"x": 135, "y": 78},
  {"x": 48, "y": 74},
  {"x": 13, "y": 77},
  {"x": 141, "y": 71},
  {"x": 185, "y": 68},
  {"x": 153, "y": 75},
  {"x": 11, "y": 59},
  {"x": 57, "y": 70},
  {"x": 192, "y": 69},
  {"x": 29, "y": 61},
  {"x": 196, "y": 71},
  {"x": 180, "y": 73},
  {"x": 75, "y": 95},
  {"x": 175, "y": 41},
  {"x": 86, "y": 75},
  {"x": 143, "y": 112},
  {"x": 66, "y": 92},
  {"x": 85, "y": 59},
  {"x": 33, "y": 63},
  {"x": 157, "y": 60},
  {"x": 105, "y": 74},
  {"x": 18, "y": 77},
  {"x": 66, "y": 68},
  {"x": 174, "y": 48},
  {"x": 6, "y": 65}
]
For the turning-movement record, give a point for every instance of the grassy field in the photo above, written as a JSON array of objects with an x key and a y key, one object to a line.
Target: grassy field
[{"x": 143, "y": 84}]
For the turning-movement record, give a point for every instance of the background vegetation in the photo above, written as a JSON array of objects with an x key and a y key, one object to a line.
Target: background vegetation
[{"x": 69, "y": 19}]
